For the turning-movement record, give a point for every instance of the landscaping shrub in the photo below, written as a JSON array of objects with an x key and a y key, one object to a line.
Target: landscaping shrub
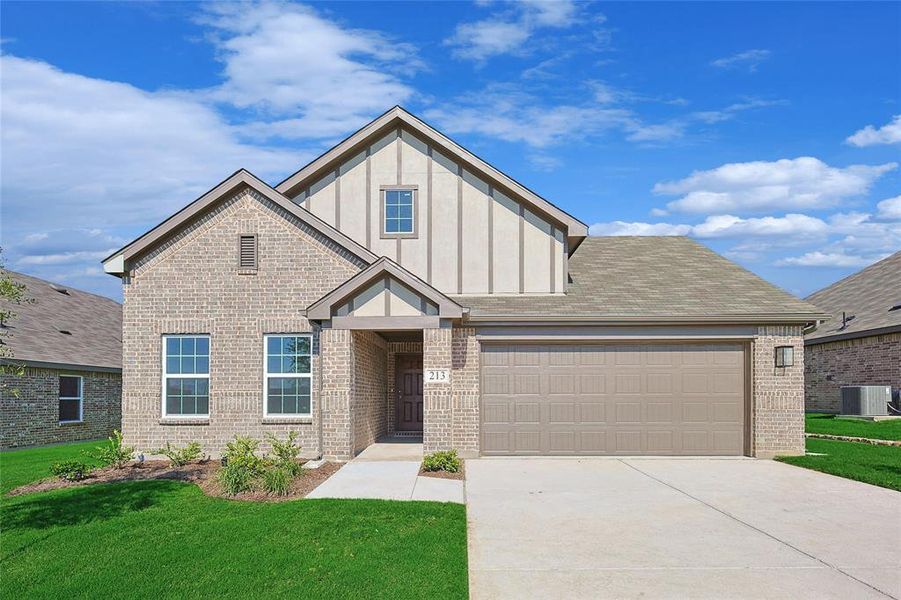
[
  {"x": 241, "y": 466},
  {"x": 447, "y": 461},
  {"x": 277, "y": 480},
  {"x": 180, "y": 458},
  {"x": 114, "y": 452},
  {"x": 285, "y": 453},
  {"x": 70, "y": 470}
]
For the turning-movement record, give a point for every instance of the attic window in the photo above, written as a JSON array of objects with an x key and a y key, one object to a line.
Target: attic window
[
  {"x": 247, "y": 252},
  {"x": 59, "y": 288}
]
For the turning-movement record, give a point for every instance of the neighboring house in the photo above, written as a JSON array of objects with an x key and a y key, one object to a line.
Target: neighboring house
[
  {"x": 861, "y": 343},
  {"x": 400, "y": 284},
  {"x": 69, "y": 346}
]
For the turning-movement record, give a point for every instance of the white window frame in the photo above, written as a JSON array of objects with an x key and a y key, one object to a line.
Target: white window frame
[
  {"x": 166, "y": 376},
  {"x": 80, "y": 398},
  {"x": 266, "y": 375},
  {"x": 383, "y": 213}
]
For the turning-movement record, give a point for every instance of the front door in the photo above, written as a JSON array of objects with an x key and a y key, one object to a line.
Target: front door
[{"x": 408, "y": 369}]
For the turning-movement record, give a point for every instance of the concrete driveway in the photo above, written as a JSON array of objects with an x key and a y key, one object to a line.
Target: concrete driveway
[{"x": 677, "y": 528}]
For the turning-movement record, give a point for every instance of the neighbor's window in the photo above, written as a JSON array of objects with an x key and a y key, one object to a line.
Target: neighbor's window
[
  {"x": 186, "y": 375},
  {"x": 288, "y": 375},
  {"x": 71, "y": 388},
  {"x": 399, "y": 216}
]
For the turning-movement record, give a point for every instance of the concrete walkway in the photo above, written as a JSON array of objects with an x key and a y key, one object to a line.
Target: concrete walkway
[
  {"x": 677, "y": 528},
  {"x": 389, "y": 471}
]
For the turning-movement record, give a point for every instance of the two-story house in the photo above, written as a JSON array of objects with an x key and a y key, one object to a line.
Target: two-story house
[{"x": 398, "y": 284}]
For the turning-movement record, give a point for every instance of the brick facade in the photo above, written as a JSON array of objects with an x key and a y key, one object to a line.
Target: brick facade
[
  {"x": 874, "y": 360},
  {"x": 370, "y": 406},
  {"x": 192, "y": 284},
  {"x": 437, "y": 406},
  {"x": 30, "y": 416},
  {"x": 777, "y": 394}
]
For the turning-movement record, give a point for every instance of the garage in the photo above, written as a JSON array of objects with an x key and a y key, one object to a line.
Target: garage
[{"x": 614, "y": 398}]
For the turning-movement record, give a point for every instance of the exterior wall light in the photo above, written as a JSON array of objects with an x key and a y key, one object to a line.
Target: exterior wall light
[{"x": 785, "y": 356}]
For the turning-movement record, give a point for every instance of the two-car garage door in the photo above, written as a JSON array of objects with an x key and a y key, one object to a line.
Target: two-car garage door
[{"x": 664, "y": 399}]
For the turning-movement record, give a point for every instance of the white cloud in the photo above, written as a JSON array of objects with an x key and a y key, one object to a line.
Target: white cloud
[
  {"x": 749, "y": 59},
  {"x": 890, "y": 133},
  {"x": 829, "y": 259},
  {"x": 786, "y": 184},
  {"x": 723, "y": 226},
  {"x": 655, "y": 133},
  {"x": 731, "y": 111},
  {"x": 287, "y": 60},
  {"x": 507, "y": 31},
  {"x": 890, "y": 209}
]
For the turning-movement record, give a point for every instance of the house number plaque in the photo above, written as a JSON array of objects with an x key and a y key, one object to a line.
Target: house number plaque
[{"x": 437, "y": 375}]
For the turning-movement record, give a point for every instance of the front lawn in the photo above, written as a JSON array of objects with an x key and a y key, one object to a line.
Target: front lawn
[
  {"x": 825, "y": 423},
  {"x": 18, "y": 467},
  {"x": 878, "y": 465},
  {"x": 153, "y": 539}
]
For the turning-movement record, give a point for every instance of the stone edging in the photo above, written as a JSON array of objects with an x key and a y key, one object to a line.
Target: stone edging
[{"x": 848, "y": 438}]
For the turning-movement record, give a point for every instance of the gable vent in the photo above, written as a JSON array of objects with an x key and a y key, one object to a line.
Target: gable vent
[{"x": 247, "y": 252}]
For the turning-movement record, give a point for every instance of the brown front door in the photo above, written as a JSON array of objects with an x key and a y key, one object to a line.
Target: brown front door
[{"x": 408, "y": 369}]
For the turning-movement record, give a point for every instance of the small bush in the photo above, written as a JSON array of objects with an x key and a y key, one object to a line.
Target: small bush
[
  {"x": 277, "y": 481},
  {"x": 114, "y": 452},
  {"x": 70, "y": 470},
  {"x": 180, "y": 458},
  {"x": 285, "y": 453},
  {"x": 241, "y": 466},
  {"x": 447, "y": 461}
]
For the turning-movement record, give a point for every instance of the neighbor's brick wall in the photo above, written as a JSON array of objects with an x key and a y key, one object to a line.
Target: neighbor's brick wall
[
  {"x": 437, "y": 410},
  {"x": 31, "y": 417},
  {"x": 874, "y": 360},
  {"x": 191, "y": 284},
  {"x": 465, "y": 390},
  {"x": 370, "y": 405},
  {"x": 777, "y": 407},
  {"x": 395, "y": 348}
]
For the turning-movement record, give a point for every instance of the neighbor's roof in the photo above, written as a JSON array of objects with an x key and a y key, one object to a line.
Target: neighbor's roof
[
  {"x": 35, "y": 333},
  {"x": 659, "y": 279},
  {"x": 869, "y": 296}
]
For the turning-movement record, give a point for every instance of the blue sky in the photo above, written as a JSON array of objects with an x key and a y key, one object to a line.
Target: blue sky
[{"x": 770, "y": 132}]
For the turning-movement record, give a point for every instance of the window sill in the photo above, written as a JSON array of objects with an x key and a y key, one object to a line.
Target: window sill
[
  {"x": 69, "y": 423},
  {"x": 287, "y": 420},
  {"x": 185, "y": 421},
  {"x": 247, "y": 271}
]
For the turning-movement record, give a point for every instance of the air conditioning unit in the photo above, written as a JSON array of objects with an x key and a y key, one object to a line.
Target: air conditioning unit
[{"x": 866, "y": 400}]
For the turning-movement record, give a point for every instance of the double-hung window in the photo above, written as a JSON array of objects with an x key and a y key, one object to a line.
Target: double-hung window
[
  {"x": 399, "y": 212},
  {"x": 71, "y": 397},
  {"x": 288, "y": 375},
  {"x": 186, "y": 375}
]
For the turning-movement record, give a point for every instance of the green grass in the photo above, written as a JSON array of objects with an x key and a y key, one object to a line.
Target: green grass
[
  {"x": 18, "y": 467},
  {"x": 878, "y": 465},
  {"x": 824, "y": 423},
  {"x": 154, "y": 539}
]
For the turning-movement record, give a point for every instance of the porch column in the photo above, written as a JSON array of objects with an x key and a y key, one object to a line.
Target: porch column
[
  {"x": 437, "y": 419},
  {"x": 336, "y": 396}
]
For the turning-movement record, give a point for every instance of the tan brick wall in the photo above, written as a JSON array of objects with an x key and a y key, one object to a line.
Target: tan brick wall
[
  {"x": 191, "y": 284},
  {"x": 337, "y": 393},
  {"x": 370, "y": 408},
  {"x": 437, "y": 426},
  {"x": 31, "y": 415},
  {"x": 777, "y": 407},
  {"x": 465, "y": 386},
  {"x": 874, "y": 360}
]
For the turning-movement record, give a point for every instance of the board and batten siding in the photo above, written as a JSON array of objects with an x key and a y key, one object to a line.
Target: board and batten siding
[{"x": 471, "y": 238}]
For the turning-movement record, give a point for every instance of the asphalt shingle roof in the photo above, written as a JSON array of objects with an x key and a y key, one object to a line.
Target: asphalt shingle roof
[
  {"x": 94, "y": 324},
  {"x": 867, "y": 295},
  {"x": 650, "y": 277}
]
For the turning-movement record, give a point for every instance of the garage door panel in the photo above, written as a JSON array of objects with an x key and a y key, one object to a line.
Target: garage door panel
[{"x": 613, "y": 399}]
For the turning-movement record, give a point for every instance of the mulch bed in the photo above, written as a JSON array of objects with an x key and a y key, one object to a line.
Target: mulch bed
[
  {"x": 202, "y": 473},
  {"x": 461, "y": 474}
]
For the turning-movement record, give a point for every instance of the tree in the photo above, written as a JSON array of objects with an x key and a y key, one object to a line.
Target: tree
[{"x": 11, "y": 294}]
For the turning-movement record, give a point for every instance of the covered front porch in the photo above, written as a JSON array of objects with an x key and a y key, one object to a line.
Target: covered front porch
[{"x": 386, "y": 362}]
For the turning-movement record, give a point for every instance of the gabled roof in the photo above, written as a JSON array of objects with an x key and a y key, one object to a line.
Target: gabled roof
[
  {"x": 64, "y": 327},
  {"x": 399, "y": 117},
  {"x": 322, "y": 308},
  {"x": 116, "y": 262},
  {"x": 870, "y": 300},
  {"x": 651, "y": 279}
]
